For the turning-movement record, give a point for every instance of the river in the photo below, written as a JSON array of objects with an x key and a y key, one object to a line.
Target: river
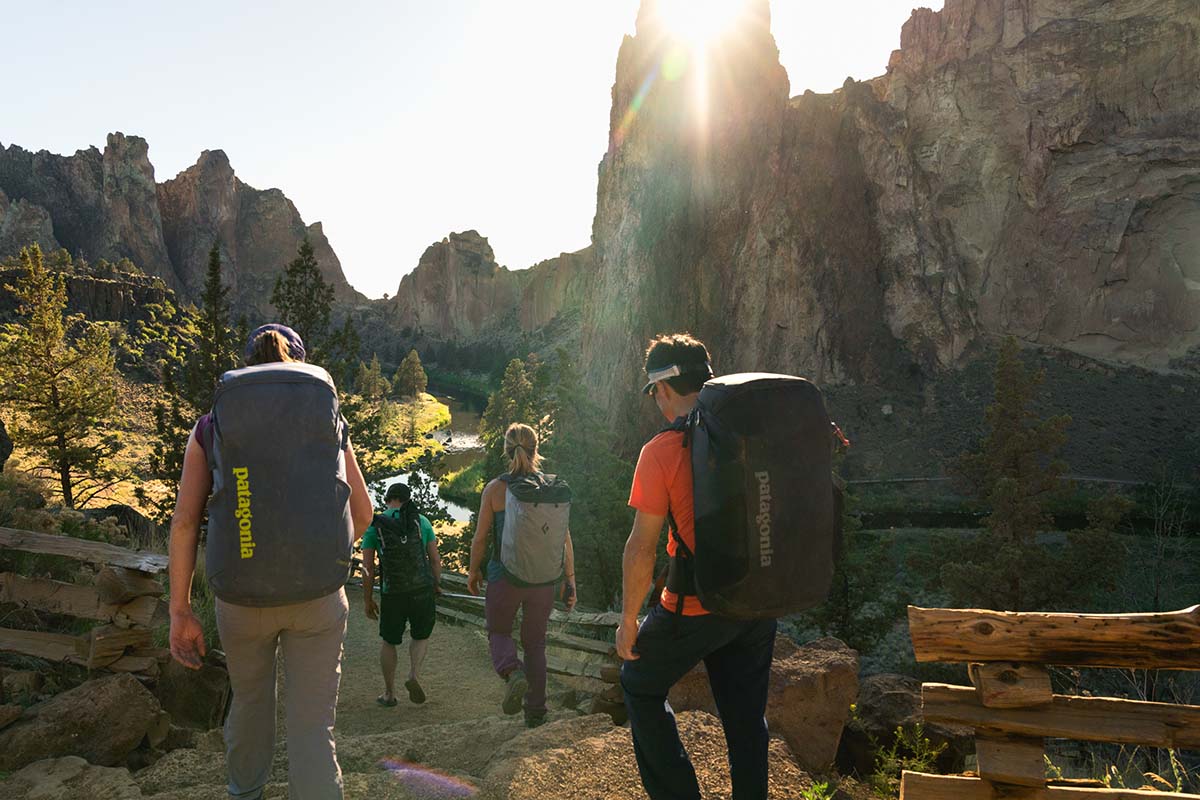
[{"x": 463, "y": 448}]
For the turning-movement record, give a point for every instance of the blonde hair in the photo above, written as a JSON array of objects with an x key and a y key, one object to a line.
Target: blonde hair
[
  {"x": 268, "y": 347},
  {"x": 520, "y": 448}
]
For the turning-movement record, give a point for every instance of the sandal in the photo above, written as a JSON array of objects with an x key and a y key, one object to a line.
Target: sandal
[
  {"x": 415, "y": 692},
  {"x": 384, "y": 701}
]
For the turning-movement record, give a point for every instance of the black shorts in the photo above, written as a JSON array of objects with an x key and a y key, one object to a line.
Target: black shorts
[{"x": 416, "y": 610}]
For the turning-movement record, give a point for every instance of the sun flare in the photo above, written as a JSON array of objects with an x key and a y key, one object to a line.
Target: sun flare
[{"x": 699, "y": 22}]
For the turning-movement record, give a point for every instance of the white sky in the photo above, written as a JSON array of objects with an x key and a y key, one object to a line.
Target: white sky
[{"x": 393, "y": 123}]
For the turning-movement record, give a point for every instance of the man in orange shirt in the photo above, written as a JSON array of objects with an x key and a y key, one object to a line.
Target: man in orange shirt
[{"x": 678, "y": 633}]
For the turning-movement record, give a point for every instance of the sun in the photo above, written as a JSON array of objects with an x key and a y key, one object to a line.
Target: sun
[{"x": 698, "y": 22}]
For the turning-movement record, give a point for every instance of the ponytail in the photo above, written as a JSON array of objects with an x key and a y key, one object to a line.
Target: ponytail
[
  {"x": 520, "y": 448},
  {"x": 268, "y": 347}
]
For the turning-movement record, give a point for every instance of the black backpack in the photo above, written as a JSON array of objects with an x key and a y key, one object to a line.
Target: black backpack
[
  {"x": 767, "y": 512},
  {"x": 403, "y": 559}
]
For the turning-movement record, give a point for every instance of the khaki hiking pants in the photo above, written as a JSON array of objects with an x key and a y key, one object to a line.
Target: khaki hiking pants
[{"x": 310, "y": 636}]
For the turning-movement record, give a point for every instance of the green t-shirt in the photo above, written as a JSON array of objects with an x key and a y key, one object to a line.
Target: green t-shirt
[{"x": 370, "y": 539}]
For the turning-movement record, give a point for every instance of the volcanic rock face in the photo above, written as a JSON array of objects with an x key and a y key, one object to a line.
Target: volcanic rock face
[
  {"x": 107, "y": 205},
  {"x": 1026, "y": 166},
  {"x": 459, "y": 292},
  {"x": 259, "y": 232},
  {"x": 101, "y": 204}
]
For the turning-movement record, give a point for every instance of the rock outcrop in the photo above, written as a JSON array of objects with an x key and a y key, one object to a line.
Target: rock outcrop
[
  {"x": 259, "y": 232},
  {"x": 808, "y": 703},
  {"x": 101, "y": 204},
  {"x": 107, "y": 205},
  {"x": 69, "y": 778},
  {"x": 119, "y": 297},
  {"x": 1026, "y": 167}
]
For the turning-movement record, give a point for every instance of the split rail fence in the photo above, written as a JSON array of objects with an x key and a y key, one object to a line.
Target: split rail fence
[
  {"x": 124, "y": 600},
  {"x": 579, "y": 643},
  {"x": 1012, "y": 707}
]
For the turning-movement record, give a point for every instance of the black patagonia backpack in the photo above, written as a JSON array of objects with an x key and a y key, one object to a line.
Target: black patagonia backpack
[
  {"x": 279, "y": 525},
  {"x": 767, "y": 512},
  {"x": 404, "y": 561}
]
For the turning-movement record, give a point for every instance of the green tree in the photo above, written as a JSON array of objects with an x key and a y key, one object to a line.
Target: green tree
[
  {"x": 1015, "y": 473},
  {"x": 342, "y": 354},
  {"x": 371, "y": 383},
  {"x": 517, "y": 400},
  {"x": 214, "y": 349},
  {"x": 304, "y": 299},
  {"x": 410, "y": 379},
  {"x": 59, "y": 372}
]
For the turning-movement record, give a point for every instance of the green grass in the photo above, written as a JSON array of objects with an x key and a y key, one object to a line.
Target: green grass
[{"x": 463, "y": 486}]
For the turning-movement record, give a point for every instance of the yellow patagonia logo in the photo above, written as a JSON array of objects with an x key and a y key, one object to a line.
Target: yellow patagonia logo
[{"x": 242, "y": 474}]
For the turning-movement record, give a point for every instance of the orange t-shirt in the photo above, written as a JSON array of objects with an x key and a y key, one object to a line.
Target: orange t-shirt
[{"x": 662, "y": 482}]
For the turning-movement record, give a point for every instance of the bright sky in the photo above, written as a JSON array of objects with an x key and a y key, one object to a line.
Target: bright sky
[{"x": 391, "y": 122}]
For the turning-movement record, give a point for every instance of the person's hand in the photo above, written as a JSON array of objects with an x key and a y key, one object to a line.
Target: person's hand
[
  {"x": 474, "y": 582},
  {"x": 627, "y": 633},
  {"x": 570, "y": 594},
  {"x": 371, "y": 608},
  {"x": 187, "y": 639},
  {"x": 437, "y": 588}
]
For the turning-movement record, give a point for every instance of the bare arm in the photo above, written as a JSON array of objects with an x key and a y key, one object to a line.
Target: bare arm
[
  {"x": 368, "y": 557},
  {"x": 571, "y": 595},
  {"x": 187, "y": 636},
  {"x": 637, "y": 577},
  {"x": 483, "y": 526},
  {"x": 361, "y": 511},
  {"x": 435, "y": 564}
]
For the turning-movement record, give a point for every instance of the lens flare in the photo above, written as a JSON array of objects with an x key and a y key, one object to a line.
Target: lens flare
[
  {"x": 699, "y": 22},
  {"x": 425, "y": 782}
]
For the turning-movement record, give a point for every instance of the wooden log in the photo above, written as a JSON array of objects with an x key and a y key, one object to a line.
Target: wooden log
[
  {"x": 1088, "y": 719},
  {"x": 118, "y": 585},
  {"x": 99, "y": 553},
  {"x": 1009, "y": 685},
  {"x": 83, "y": 602},
  {"x": 50, "y": 646},
  {"x": 602, "y": 619},
  {"x": 1132, "y": 641},
  {"x": 1014, "y": 760},
  {"x": 574, "y": 662},
  {"x": 106, "y": 644},
  {"x": 556, "y": 637},
  {"x": 918, "y": 786}
]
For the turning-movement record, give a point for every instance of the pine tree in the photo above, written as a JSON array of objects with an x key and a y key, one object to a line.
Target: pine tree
[
  {"x": 371, "y": 383},
  {"x": 304, "y": 299},
  {"x": 214, "y": 350},
  {"x": 342, "y": 355},
  {"x": 517, "y": 400},
  {"x": 1015, "y": 473},
  {"x": 410, "y": 379},
  {"x": 60, "y": 373}
]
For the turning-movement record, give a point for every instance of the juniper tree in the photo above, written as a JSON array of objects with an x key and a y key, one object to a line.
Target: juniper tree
[
  {"x": 214, "y": 350},
  {"x": 371, "y": 383},
  {"x": 59, "y": 373},
  {"x": 410, "y": 379},
  {"x": 304, "y": 300}
]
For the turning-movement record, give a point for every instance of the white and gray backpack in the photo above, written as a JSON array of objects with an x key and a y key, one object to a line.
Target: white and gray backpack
[
  {"x": 537, "y": 514},
  {"x": 279, "y": 525}
]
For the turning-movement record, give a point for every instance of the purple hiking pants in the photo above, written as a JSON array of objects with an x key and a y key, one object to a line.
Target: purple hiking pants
[{"x": 536, "y": 602}]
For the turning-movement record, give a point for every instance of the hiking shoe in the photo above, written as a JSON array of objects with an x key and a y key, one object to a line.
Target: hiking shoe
[
  {"x": 514, "y": 695},
  {"x": 535, "y": 720},
  {"x": 385, "y": 701},
  {"x": 415, "y": 692}
]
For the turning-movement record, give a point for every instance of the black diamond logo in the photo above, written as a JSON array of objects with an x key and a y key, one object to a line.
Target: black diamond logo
[{"x": 545, "y": 529}]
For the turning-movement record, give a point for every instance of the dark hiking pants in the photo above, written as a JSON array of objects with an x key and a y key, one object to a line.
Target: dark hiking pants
[{"x": 737, "y": 655}]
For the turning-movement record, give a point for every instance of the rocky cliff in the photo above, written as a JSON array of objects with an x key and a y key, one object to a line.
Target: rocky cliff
[
  {"x": 1026, "y": 167},
  {"x": 107, "y": 205}
]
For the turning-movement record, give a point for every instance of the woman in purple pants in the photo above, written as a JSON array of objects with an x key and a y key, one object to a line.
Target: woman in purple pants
[{"x": 526, "y": 682}]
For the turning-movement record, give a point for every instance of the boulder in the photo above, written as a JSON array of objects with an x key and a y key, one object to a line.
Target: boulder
[
  {"x": 102, "y": 721},
  {"x": 195, "y": 699},
  {"x": 887, "y": 702},
  {"x": 23, "y": 686},
  {"x": 69, "y": 778},
  {"x": 9, "y": 714},
  {"x": 808, "y": 702}
]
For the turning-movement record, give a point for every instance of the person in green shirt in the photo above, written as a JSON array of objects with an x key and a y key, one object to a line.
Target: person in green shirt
[{"x": 410, "y": 570}]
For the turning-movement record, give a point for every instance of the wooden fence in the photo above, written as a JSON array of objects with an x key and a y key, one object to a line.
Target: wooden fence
[
  {"x": 1012, "y": 707},
  {"x": 124, "y": 599}
]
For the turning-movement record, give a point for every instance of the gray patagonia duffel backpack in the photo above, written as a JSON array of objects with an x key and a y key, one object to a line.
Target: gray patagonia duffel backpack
[
  {"x": 279, "y": 526},
  {"x": 767, "y": 512},
  {"x": 537, "y": 513}
]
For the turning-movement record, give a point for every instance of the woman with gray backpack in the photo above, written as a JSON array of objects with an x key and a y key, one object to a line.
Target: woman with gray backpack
[
  {"x": 526, "y": 515},
  {"x": 285, "y": 501}
]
